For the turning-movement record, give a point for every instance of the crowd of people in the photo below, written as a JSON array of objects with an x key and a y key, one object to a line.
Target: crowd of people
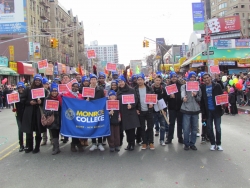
[{"x": 138, "y": 119}]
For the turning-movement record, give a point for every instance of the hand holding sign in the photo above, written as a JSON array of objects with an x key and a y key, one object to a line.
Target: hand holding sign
[
  {"x": 171, "y": 89},
  {"x": 13, "y": 98},
  {"x": 38, "y": 93},
  {"x": 215, "y": 69},
  {"x": 128, "y": 99},
  {"x": 88, "y": 92},
  {"x": 150, "y": 99},
  {"x": 42, "y": 64},
  {"x": 111, "y": 67},
  {"x": 52, "y": 105},
  {"x": 112, "y": 105},
  {"x": 192, "y": 86},
  {"x": 62, "y": 88},
  {"x": 221, "y": 99}
]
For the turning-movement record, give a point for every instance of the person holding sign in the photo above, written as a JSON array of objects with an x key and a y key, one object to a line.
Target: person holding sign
[
  {"x": 114, "y": 138},
  {"x": 56, "y": 125},
  {"x": 210, "y": 111},
  {"x": 18, "y": 108},
  {"x": 190, "y": 109},
  {"x": 128, "y": 112},
  {"x": 145, "y": 113},
  {"x": 101, "y": 81},
  {"x": 174, "y": 106},
  {"x": 32, "y": 115}
]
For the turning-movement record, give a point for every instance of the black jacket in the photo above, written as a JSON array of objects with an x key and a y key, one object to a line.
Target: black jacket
[
  {"x": 161, "y": 93},
  {"x": 99, "y": 93},
  {"x": 114, "y": 119},
  {"x": 175, "y": 103},
  {"x": 216, "y": 90},
  {"x": 148, "y": 91},
  {"x": 20, "y": 106}
]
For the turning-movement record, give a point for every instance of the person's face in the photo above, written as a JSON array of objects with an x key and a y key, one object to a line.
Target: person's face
[
  {"x": 113, "y": 86},
  {"x": 20, "y": 89},
  {"x": 65, "y": 80},
  {"x": 115, "y": 76},
  {"x": 157, "y": 82},
  {"x": 54, "y": 93},
  {"x": 46, "y": 86},
  {"x": 86, "y": 83},
  {"x": 38, "y": 82},
  {"x": 79, "y": 78},
  {"x": 217, "y": 77},
  {"x": 207, "y": 79},
  {"x": 121, "y": 83},
  {"x": 192, "y": 78},
  {"x": 167, "y": 81},
  {"x": 174, "y": 79},
  {"x": 140, "y": 81},
  {"x": 101, "y": 80},
  {"x": 75, "y": 87},
  {"x": 93, "y": 81},
  {"x": 112, "y": 97}
]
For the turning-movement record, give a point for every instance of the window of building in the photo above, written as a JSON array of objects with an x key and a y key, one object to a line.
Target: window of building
[
  {"x": 242, "y": 6},
  {"x": 236, "y": 14},
  {"x": 244, "y": 31},
  {"x": 212, "y": 3},
  {"x": 222, "y": 13},
  {"x": 243, "y": 15},
  {"x": 222, "y": 5}
]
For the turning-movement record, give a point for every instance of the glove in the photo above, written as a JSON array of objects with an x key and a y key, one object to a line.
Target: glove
[{"x": 14, "y": 110}]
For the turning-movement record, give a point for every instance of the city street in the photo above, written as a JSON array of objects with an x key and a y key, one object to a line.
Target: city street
[{"x": 168, "y": 166}]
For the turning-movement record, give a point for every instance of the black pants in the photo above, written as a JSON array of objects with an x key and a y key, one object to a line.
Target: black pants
[
  {"x": 147, "y": 135},
  {"x": 173, "y": 115},
  {"x": 121, "y": 134},
  {"x": 20, "y": 133},
  {"x": 55, "y": 133},
  {"x": 99, "y": 140},
  {"x": 138, "y": 136},
  {"x": 75, "y": 141},
  {"x": 130, "y": 136}
]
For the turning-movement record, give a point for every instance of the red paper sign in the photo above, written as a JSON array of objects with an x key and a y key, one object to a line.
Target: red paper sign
[
  {"x": 62, "y": 88},
  {"x": 221, "y": 99},
  {"x": 13, "y": 98},
  {"x": 38, "y": 93},
  {"x": 42, "y": 64},
  {"x": 171, "y": 89},
  {"x": 88, "y": 92},
  {"x": 111, "y": 67},
  {"x": 128, "y": 99},
  {"x": 192, "y": 86},
  {"x": 91, "y": 54},
  {"x": 69, "y": 85},
  {"x": 52, "y": 105},
  {"x": 150, "y": 99},
  {"x": 215, "y": 69},
  {"x": 112, "y": 104}
]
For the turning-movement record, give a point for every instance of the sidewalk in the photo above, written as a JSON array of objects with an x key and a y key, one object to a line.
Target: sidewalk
[{"x": 245, "y": 109}]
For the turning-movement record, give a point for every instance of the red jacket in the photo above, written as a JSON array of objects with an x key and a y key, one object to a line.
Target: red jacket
[{"x": 70, "y": 95}]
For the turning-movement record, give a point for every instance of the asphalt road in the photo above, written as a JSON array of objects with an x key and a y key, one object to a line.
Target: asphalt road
[{"x": 167, "y": 166}]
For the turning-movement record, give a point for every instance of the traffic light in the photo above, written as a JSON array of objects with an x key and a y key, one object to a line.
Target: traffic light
[
  {"x": 55, "y": 45},
  {"x": 147, "y": 43},
  {"x": 52, "y": 43},
  {"x": 144, "y": 44}
]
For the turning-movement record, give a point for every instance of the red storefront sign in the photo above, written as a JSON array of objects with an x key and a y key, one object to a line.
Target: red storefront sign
[
  {"x": 49, "y": 70},
  {"x": 25, "y": 68}
]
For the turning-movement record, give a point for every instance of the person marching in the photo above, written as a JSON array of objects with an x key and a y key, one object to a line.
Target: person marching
[
  {"x": 129, "y": 115},
  {"x": 32, "y": 116},
  {"x": 54, "y": 128},
  {"x": 114, "y": 138},
  {"x": 145, "y": 113},
  {"x": 190, "y": 109}
]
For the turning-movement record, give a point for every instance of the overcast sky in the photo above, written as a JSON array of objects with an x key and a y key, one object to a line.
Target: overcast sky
[{"x": 126, "y": 23}]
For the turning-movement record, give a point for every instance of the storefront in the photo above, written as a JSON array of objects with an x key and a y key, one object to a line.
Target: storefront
[
  {"x": 6, "y": 72},
  {"x": 13, "y": 79},
  {"x": 26, "y": 71}
]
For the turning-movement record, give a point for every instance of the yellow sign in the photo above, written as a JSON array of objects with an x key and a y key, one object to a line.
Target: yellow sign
[
  {"x": 244, "y": 61},
  {"x": 11, "y": 51},
  {"x": 13, "y": 66}
]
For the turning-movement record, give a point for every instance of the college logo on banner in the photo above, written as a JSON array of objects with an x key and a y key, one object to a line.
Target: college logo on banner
[{"x": 85, "y": 119}]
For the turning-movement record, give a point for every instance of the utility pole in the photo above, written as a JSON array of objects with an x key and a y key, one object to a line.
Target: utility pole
[{"x": 206, "y": 34}]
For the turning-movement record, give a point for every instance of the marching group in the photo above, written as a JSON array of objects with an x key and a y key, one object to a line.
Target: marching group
[{"x": 137, "y": 120}]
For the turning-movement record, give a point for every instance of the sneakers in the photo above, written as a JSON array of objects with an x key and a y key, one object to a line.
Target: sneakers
[
  {"x": 162, "y": 143},
  {"x": 198, "y": 135},
  {"x": 219, "y": 148},
  {"x": 151, "y": 146},
  {"x": 157, "y": 133},
  {"x": 193, "y": 147},
  {"x": 93, "y": 147},
  {"x": 100, "y": 147},
  {"x": 203, "y": 140},
  {"x": 186, "y": 147},
  {"x": 112, "y": 149},
  {"x": 213, "y": 147},
  {"x": 144, "y": 146},
  {"x": 168, "y": 142}
]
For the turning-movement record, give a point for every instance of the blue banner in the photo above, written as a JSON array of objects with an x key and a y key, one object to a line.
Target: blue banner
[
  {"x": 198, "y": 17},
  {"x": 222, "y": 43},
  {"x": 85, "y": 119}
]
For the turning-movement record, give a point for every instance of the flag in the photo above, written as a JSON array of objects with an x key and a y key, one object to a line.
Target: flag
[
  {"x": 80, "y": 70},
  {"x": 137, "y": 70},
  {"x": 85, "y": 119}
]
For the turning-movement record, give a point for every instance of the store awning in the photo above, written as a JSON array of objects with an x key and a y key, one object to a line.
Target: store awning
[
  {"x": 8, "y": 71},
  {"x": 185, "y": 63},
  {"x": 224, "y": 54},
  {"x": 25, "y": 68}
]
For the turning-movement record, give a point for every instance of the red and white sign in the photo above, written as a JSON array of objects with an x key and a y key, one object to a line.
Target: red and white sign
[
  {"x": 151, "y": 99},
  {"x": 62, "y": 88},
  {"x": 192, "y": 86},
  {"x": 111, "y": 66},
  {"x": 88, "y": 92},
  {"x": 52, "y": 105},
  {"x": 112, "y": 105},
  {"x": 37, "y": 93},
  {"x": 207, "y": 39},
  {"x": 224, "y": 24},
  {"x": 221, "y": 99},
  {"x": 69, "y": 85},
  {"x": 42, "y": 64},
  {"x": 171, "y": 89},
  {"x": 128, "y": 99},
  {"x": 91, "y": 54},
  {"x": 241, "y": 65},
  {"x": 215, "y": 69},
  {"x": 13, "y": 98}
]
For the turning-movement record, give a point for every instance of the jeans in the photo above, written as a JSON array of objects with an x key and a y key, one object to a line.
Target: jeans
[
  {"x": 147, "y": 135},
  {"x": 190, "y": 125},
  {"x": 173, "y": 115},
  {"x": 159, "y": 118},
  {"x": 156, "y": 123},
  {"x": 212, "y": 117}
]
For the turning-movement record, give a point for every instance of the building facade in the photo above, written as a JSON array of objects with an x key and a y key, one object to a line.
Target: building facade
[{"x": 222, "y": 8}]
